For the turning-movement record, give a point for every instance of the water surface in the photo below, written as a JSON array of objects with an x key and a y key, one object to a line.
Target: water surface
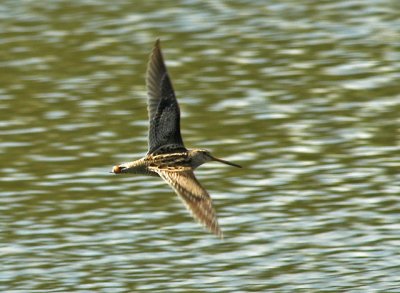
[{"x": 304, "y": 95}]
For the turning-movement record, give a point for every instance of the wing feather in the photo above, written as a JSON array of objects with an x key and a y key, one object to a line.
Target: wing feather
[
  {"x": 162, "y": 106},
  {"x": 194, "y": 196}
]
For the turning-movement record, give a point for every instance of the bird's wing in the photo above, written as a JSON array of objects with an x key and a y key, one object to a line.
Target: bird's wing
[
  {"x": 164, "y": 115},
  {"x": 194, "y": 196}
]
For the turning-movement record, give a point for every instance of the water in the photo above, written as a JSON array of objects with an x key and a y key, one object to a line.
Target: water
[{"x": 304, "y": 95}]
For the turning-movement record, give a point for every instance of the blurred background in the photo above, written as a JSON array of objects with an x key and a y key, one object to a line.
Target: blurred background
[{"x": 304, "y": 94}]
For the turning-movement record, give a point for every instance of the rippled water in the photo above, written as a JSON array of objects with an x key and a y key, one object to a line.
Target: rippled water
[{"x": 304, "y": 94}]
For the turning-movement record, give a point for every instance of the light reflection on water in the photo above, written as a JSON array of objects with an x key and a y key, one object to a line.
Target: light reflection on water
[{"x": 304, "y": 96}]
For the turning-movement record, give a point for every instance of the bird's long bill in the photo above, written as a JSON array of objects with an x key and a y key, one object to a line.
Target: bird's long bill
[{"x": 226, "y": 162}]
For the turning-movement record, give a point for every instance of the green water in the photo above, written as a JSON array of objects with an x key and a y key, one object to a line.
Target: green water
[{"x": 304, "y": 94}]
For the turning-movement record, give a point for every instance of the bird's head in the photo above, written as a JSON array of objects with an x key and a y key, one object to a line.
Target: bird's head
[{"x": 203, "y": 156}]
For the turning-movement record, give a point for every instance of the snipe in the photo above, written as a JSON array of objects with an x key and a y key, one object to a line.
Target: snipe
[{"x": 167, "y": 156}]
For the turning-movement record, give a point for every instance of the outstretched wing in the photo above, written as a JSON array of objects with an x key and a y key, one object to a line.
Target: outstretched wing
[
  {"x": 194, "y": 196},
  {"x": 164, "y": 115}
]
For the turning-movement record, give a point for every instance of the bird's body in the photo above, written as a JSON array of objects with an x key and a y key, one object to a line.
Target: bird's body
[{"x": 167, "y": 156}]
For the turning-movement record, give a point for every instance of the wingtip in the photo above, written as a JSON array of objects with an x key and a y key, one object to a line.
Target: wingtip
[
  {"x": 157, "y": 43},
  {"x": 220, "y": 235},
  {"x": 214, "y": 229},
  {"x": 154, "y": 59},
  {"x": 156, "y": 52}
]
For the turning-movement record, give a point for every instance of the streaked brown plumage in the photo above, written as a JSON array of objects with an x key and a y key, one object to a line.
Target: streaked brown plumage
[{"x": 167, "y": 156}]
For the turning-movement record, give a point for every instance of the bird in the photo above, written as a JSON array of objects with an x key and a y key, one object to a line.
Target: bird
[{"x": 167, "y": 156}]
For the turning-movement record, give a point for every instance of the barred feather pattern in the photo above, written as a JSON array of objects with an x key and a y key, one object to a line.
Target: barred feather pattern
[{"x": 193, "y": 195}]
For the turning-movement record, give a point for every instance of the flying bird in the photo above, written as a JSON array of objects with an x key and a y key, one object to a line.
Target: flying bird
[{"x": 167, "y": 156}]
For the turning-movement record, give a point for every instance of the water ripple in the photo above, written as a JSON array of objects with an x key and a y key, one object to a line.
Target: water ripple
[{"x": 307, "y": 102}]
